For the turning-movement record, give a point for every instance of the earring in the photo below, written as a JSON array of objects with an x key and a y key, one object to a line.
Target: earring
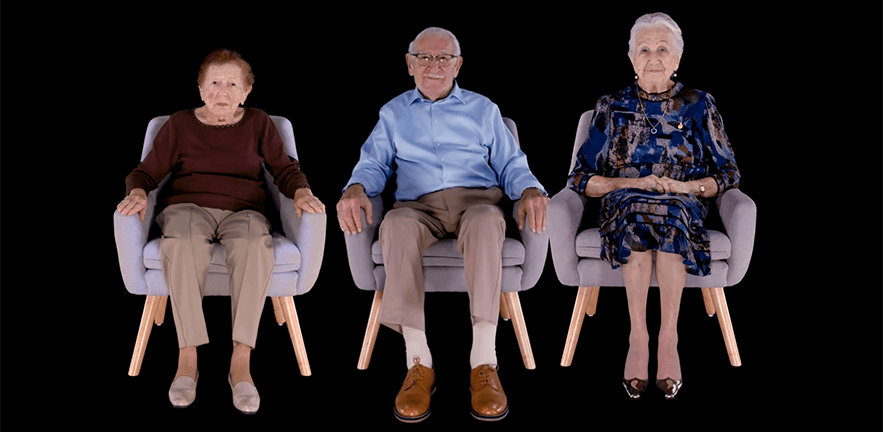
[{"x": 674, "y": 75}]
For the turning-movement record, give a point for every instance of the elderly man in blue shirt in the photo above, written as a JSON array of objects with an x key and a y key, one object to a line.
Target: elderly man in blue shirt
[{"x": 454, "y": 160}]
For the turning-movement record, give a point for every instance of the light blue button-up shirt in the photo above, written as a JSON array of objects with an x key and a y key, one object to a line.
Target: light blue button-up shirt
[{"x": 460, "y": 140}]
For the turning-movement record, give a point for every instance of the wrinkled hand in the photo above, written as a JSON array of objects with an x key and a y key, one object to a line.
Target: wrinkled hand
[
  {"x": 348, "y": 209},
  {"x": 532, "y": 205},
  {"x": 663, "y": 185},
  {"x": 135, "y": 202},
  {"x": 670, "y": 185},
  {"x": 304, "y": 200}
]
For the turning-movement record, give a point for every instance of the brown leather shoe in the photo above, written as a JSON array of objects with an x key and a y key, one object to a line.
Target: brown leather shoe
[
  {"x": 489, "y": 403},
  {"x": 412, "y": 402}
]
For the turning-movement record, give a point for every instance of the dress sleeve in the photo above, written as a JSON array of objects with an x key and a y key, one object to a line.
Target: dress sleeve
[
  {"x": 591, "y": 158},
  {"x": 720, "y": 158}
]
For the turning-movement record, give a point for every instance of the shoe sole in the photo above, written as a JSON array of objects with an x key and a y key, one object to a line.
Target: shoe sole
[
  {"x": 497, "y": 417},
  {"x": 417, "y": 419}
]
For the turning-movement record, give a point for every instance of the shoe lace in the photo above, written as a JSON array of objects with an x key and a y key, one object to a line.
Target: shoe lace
[
  {"x": 485, "y": 373},
  {"x": 414, "y": 374}
]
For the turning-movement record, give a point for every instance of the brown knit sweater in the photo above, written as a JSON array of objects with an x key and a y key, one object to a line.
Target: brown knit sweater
[{"x": 217, "y": 166}]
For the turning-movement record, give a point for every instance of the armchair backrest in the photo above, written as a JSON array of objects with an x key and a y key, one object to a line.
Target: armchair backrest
[{"x": 582, "y": 132}]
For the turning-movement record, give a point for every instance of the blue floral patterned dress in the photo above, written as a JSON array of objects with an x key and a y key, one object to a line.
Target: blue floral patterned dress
[{"x": 682, "y": 137}]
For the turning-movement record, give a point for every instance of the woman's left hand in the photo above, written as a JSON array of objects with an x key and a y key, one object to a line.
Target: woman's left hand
[
  {"x": 670, "y": 185},
  {"x": 305, "y": 200}
]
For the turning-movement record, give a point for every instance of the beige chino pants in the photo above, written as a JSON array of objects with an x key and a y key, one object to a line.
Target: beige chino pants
[
  {"x": 186, "y": 249},
  {"x": 472, "y": 214}
]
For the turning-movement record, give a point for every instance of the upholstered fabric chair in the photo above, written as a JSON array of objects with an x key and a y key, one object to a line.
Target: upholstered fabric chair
[
  {"x": 576, "y": 254},
  {"x": 523, "y": 259},
  {"x": 298, "y": 250}
]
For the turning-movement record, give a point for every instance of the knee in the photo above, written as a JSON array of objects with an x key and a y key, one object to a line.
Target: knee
[
  {"x": 484, "y": 218},
  {"x": 399, "y": 223}
]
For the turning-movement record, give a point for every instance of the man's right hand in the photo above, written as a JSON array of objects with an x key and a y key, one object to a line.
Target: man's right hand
[{"x": 348, "y": 209}]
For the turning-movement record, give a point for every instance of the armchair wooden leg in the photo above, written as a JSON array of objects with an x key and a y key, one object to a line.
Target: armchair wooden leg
[
  {"x": 708, "y": 300},
  {"x": 513, "y": 304},
  {"x": 593, "y": 300},
  {"x": 580, "y": 309},
  {"x": 297, "y": 340},
  {"x": 504, "y": 309},
  {"x": 277, "y": 310},
  {"x": 371, "y": 331},
  {"x": 723, "y": 317},
  {"x": 147, "y": 319},
  {"x": 161, "y": 310}
]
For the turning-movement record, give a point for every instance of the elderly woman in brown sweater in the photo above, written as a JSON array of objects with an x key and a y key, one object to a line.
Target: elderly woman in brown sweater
[{"x": 215, "y": 191}]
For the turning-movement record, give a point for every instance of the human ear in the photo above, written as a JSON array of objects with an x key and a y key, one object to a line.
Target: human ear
[{"x": 410, "y": 66}]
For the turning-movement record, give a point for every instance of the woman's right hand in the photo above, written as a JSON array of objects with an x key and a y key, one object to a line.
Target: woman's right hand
[
  {"x": 651, "y": 183},
  {"x": 135, "y": 202}
]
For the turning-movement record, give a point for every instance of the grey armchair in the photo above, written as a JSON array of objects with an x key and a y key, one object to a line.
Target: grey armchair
[
  {"x": 298, "y": 251},
  {"x": 576, "y": 251},
  {"x": 523, "y": 261}
]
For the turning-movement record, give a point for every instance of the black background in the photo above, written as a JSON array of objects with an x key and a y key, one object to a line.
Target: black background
[{"x": 799, "y": 91}]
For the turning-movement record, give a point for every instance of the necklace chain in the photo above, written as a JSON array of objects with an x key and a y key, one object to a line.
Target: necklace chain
[{"x": 647, "y": 118}]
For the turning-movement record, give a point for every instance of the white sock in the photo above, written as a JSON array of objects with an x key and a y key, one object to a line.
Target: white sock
[
  {"x": 416, "y": 347},
  {"x": 484, "y": 344}
]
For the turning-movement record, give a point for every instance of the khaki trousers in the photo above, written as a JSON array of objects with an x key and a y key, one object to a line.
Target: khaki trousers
[
  {"x": 186, "y": 249},
  {"x": 411, "y": 227}
]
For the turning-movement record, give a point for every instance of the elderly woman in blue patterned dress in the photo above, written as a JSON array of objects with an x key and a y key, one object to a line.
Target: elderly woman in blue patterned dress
[{"x": 655, "y": 152}]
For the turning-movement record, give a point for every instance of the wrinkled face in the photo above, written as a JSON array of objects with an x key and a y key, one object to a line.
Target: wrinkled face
[
  {"x": 223, "y": 89},
  {"x": 434, "y": 81},
  {"x": 653, "y": 59}
]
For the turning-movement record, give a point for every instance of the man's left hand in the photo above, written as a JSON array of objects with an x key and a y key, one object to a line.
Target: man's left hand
[{"x": 533, "y": 206}]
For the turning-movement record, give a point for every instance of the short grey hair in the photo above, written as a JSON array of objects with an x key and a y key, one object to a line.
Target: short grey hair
[
  {"x": 436, "y": 31},
  {"x": 654, "y": 20}
]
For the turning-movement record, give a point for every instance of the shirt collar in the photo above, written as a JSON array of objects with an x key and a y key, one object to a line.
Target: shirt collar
[{"x": 455, "y": 94}]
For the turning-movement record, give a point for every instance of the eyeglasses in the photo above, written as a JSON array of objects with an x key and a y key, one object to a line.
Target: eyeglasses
[{"x": 427, "y": 59}]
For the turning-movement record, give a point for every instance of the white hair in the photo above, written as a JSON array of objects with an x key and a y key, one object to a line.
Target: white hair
[
  {"x": 653, "y": 20},
  {"x": 436, "y": 31}
]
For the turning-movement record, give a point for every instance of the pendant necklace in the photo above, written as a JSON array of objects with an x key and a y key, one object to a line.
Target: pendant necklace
[{"x": 664, "y": 113}]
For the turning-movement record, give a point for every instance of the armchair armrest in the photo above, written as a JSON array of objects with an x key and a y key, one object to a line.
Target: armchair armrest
[
  {"x": 308, "y": 233},
  {"x": 536, "y": 248},
  {"x": 739, "y": 215},
  {"x": 130, "y": 234},
  {"x": 358, "y": 248},
  {"x": 564, "y": 213}
]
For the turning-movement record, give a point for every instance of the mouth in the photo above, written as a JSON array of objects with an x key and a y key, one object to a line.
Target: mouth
[{"x": 434, "y": 76}]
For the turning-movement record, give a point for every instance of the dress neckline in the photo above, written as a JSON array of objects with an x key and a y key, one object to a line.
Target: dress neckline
[{"x": 657, "y": 97}]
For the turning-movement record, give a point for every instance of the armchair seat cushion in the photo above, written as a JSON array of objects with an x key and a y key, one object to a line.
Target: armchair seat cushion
[
  {"x": 588, "y": 244},
  {"x": 286, "y": 253},
  {"x": 444, "y": 253}
]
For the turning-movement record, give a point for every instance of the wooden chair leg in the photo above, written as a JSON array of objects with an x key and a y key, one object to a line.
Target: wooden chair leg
[
  {"x": 161, "y": 310},
  {"x": 297, "y": 340},
  {"x": 277, "y": 310},
  {"x": 723, "y": 317},
  {"x": 147, "y": 319},
  {"x": 504, "y": 309},
  {"x": 513, "y": 304},
  {"x": 580, "y": 309},
  {"x": 593, "y": 300},
  {"x": 708, "y": 300},
  {"x": 371, "y": 331}
]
